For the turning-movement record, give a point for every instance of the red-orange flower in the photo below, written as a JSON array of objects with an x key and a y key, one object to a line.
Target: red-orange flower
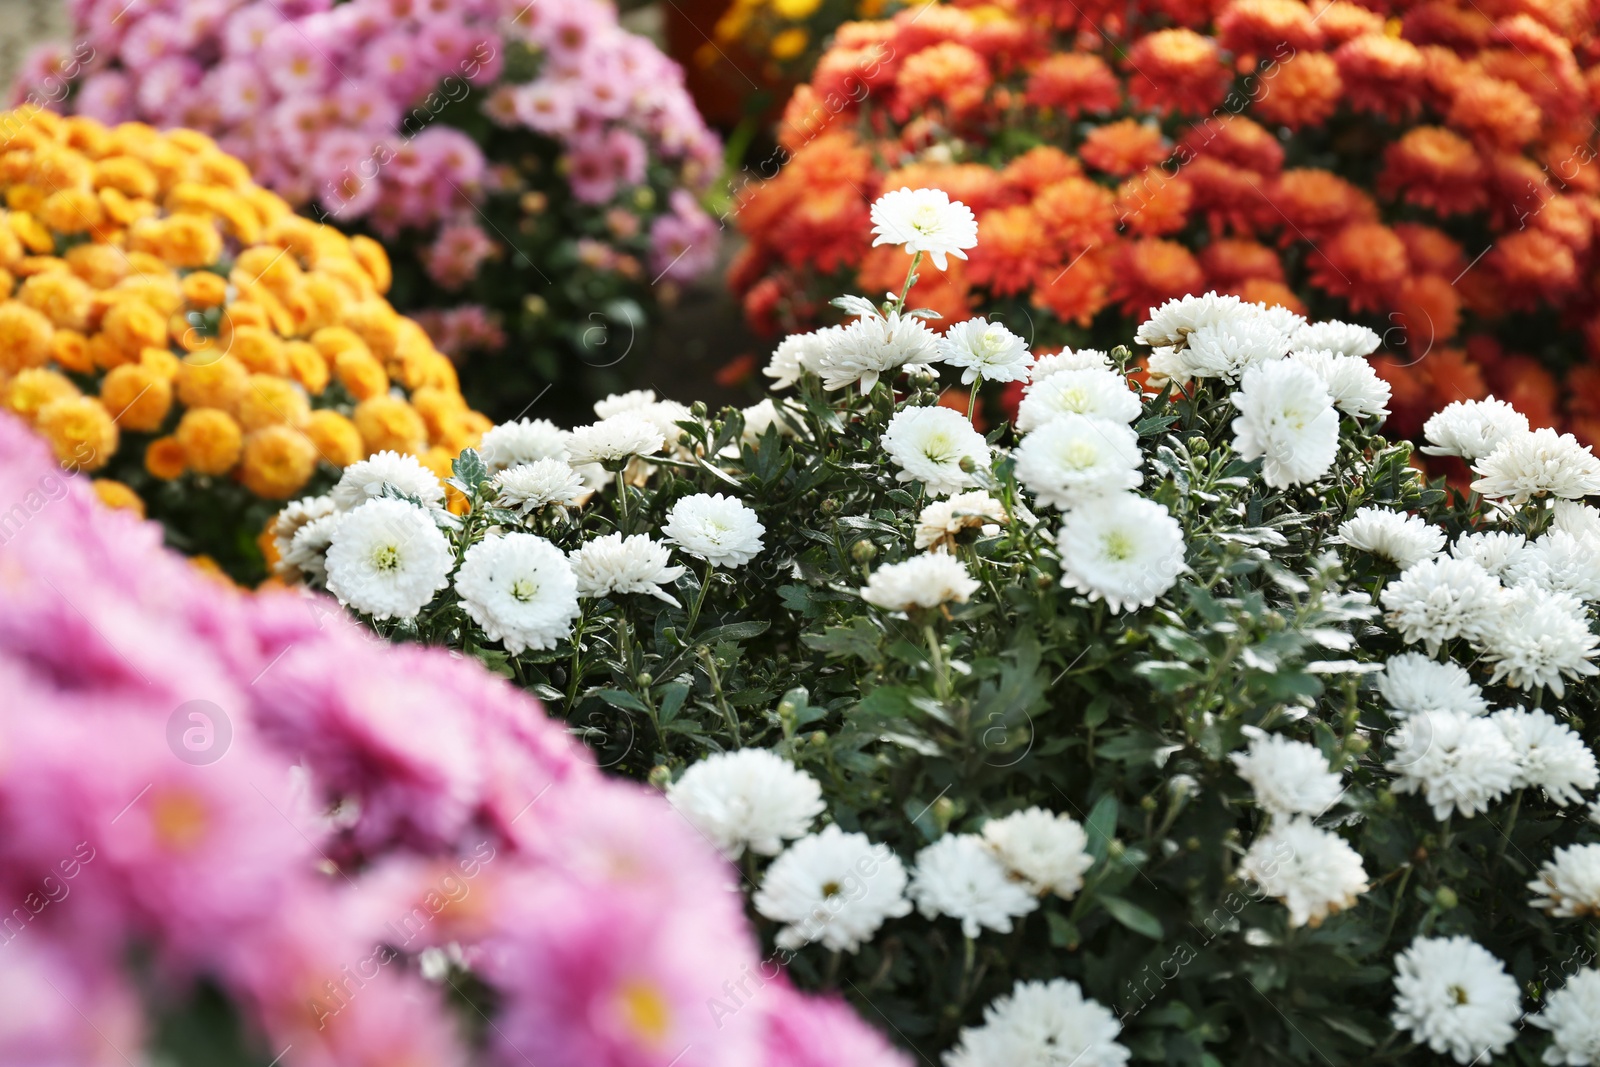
[
  {"x": 1078, "y": 291},
  {"x": 1342, "y": 20},
  {"x": 1364, "y": 263},
  {"x": 1532, "y": 267},
  {"x": 1301, "y": 91},
  {"x": 1229, "y": 261},
  {"x": 1267, "y": 28},
  {"x": 1427, "y": 309},
  {"x": 1013, "y": 249},
  {"x": 1230, "y": 197},
  {"x": 1076, "y": 214},
  {"x": 1124, "y": 148},
  {"x": 1154, "y": 203},
  {"x": 1437, "y": 169},
  {"x": 1312, "y": 205},
  {"x": 950, "y": 75},
  {"x": 1527, "y": 386},
  {"x": 1566, "y": 218},
  {"x": 1430, "y": 250},
  {"x": 1177, "y": 70},
  {"x": 1149, "y": 272},
  {"x": 1074, "y": 82},
  {"x": 1269, "y": 292},
  {"x": 1459, "y": 27},
  {"x": 1381, "y": 74},
  {"x": 1039, "y": 167},
  {"x": 1497, "y": 113},
  {"x": 974, "y": 184},
  {"x": 1233, "y": 139}
]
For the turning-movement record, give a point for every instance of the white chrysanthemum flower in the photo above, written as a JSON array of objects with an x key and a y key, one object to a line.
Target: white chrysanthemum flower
[
  {"x": 924, "y": 220},
  {"x": 1539, "y": 639},
  {"x": 797, "y": 354},
  {"x": 1575, "y": 518},
  {"x": 1568, "y": 885},
  {"x": 1049, "y": 852},
  {"x": 294, "y": 517},
  {"x": 523, "y": 441},
  {"x": 1289, "y": 777},
  {"x": 1572, "y": 1015},
  {"x": 833, "y": 887},
  {"x": 924, "y": 581},
  {"x": 1412, "y": 683},
  {"x": 1287, "y": 420},
  {"x": 1096, "y": 392},
  {"x": 1042, "y": 1024},
  {"x": 1075, "y": 458},
  {"x": 308, "y": 548},
  {"x": 527, "y": 487},
  {"x": 1454, "y": 996},
  {"x": 1355, "y": 387},
  {"x": 635, "y": 400},
  {"x": 1333, "y": 336},
  {"x": 1122, "y": 548},
  {"x": 985, "y": 350},
  {"x": 520, "y": 589},
  {"x": 1550, "y": 755},
  {"x": 872, "y": 345},
  {"x": 613, "y": 564},
  {"x": 1279, "y": 317},
  {"x": 719, "y": 529},
  {"x": 1558, "y": 562},
  {"x": 614, "y": 440},
  {"x": 930, "y": 444},
  {"x": 1070, "y": 359},
  {"x": 1392, "y": 535},
  {"x": 943, "y": 520},
  {"x": 1441, "y": 599},
  {"x": 1171, "y": 324},
  {"x": 1493, "y": 550},
  {"x": 1472, "y": 429},
  {"x": 960, "y": 877},
  {"x": 665, "y": 415},
  {"x": 751, "y": 799},
  {"x": 1227, "y": 349},
  {"x": 1164, "y": 365},
  {"x": 1313, "y": 871},
  {"x": 387, "y": 559},
  {"x": 364, "y": 480},
  {"x": 763, "y": 416},
  {"x": 1458, "y": 761},
  {"x": 1538, "y": 464}
]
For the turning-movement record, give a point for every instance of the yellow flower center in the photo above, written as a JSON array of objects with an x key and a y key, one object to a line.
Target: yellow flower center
[
  {"x": 386, "y": 557},
  {"x": 524, "y": 589},
  {"x": 1118, "y": 546},
  {"x": 926, "y": 219},
  {"x": 1080, "y": 454},
  {"x": 179, "y": 820},
  {"x": 645, "y": 1011}
]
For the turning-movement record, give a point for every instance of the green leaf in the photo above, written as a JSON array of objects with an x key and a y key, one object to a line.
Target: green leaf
[
  {"x": 618, "y": 698},
  {"x": 469, "y": 469},
  {"x": 1063, "y": 932},
  {"x": 1134, "y": 917},
  {"x": 1101, "y": 826},
  {"x": 673, "y": 694},
  {"x": 859, "y": 639}
]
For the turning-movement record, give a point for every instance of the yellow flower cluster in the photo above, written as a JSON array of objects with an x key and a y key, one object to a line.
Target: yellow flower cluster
[
  {"x": 153, "y": 297},
  {"x": 784, "y": 30}
]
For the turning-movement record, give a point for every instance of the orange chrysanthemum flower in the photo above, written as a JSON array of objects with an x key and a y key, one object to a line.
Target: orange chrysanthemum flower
[
  {"x": 1076, "y": 214},
  {"x": 1149, "y": 272},
  {"x": 1013, "y": 250},
  {"x": 1039, "y": 167},
  {"x": 1459, "y": 27},
  {"x": 1229, "y": 197},
  {"x": 1267, "y": 29},
  {"x": 1124, "y": 148},
  {"x": 1518, "y": 189},
  {"x": 1078, "y": 291},
  {"x": 1073, "y": 83},
  {"x": 949, "y": 75},
  {"x": 1532, "y": 267},
  {"x": 1268, "y": 292},
  {"x": 1436, "y": 169},
  {"x": 1312, "y": 205},
  {"x": 1364, "y": 263},
  {"x": 1527, "y": 386},
  {"x": 1427, "y": 309},
  {"x": 1177, "y": 70},
  {"x": 1496, "y": 113},
  {"x": 1567, "y": 219},
  {"x": 974, "y": 184},
  {"x": 1153, "y": 203},
  {"x": 1233, "y": 139},
  {"x": 1303, "y": 90},
  {"x": 1381, "y": 74},
  {"x": 1342, "y": 20},
  {"x": 1430, "y": 250},
  {"x": 1230, "y": 261},
  {"x": 1424, "y": 381}
]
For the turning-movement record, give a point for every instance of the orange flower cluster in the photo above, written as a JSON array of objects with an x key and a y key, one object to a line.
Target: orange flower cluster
[
  {"x": 166, "y": 322},
  {"x": 1426, "y": 167}
]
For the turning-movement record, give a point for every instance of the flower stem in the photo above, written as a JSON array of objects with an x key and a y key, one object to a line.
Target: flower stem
[
  {"x": 911, "y": 278},
  {"x": 699, "y": 601},
  {"x": 972, "y": 398}
]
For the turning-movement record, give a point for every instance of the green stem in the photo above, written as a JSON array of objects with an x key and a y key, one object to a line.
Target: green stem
[
  {"x": 911, "y": 279},
  {"x": 972, "y": 398},
  {"x": 941, "y": 681},
  {"x": 699, "y": 601}
]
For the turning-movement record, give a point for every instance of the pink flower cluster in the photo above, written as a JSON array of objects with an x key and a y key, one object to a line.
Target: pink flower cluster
[
  {"x": 459, "y": 330},
  {"x": 253, "y": 790}
]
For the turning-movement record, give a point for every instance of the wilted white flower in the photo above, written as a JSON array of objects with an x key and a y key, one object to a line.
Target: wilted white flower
[
  {"x": 1456, "y": 998},
  {"x": 1558, "y": 562},
  {"x": 613, "y": 440},
  {"x": 1538, "y": 464},
  {"x": 719, "y": 529},
  {"x": 1227, "y": 349},
  {"x": 872, "y": 345},
  {"x": 520, "y": 589},
  {"x": 959, "y": 877},
  {"x": 1122, "y": 548},
  {"x": 1459, "y": 762},
  {"x": 1538, "y": 639},
  {"x": 1392, "y": 535},
  {"x": 1412, "y": 683},
  {"x": 924, "y": 581},
  {"x": 364, "y": 480},
  {"x": 1334, "y": 336},
  {"x": 1069, "y": 359},
  {"x": 294, "y": 517},
  {"x": 1313, "y": 871},
  {"x": 387, "y": 559},
  {"x": 833, "y": 887},
  {"x": 1355, "y": 387},
  {"x": 1572, "y": 1015},
  {"x": 1550, "y": 755},
  {"x": 1441, "y": 599},
  {"x": 1472, "y": 429},
  {"x": 797, "y": 354},
  {"x": 751, "y": 798},
  {"x": 528, "y": 487},
  {"x": 942, "y": 520},
  {"x": 1042, "y": 1024},
  {"x": 1569, "y": 883},
  {"x": 1074, "y": 458},
  {"x": 924, "y": 220},
  {"x": 985, "y": 350},
  {"x": 1171, "y": 324},
  {"x": 1289, "y": 777},
  {"x": 930, "y": 445},
  {"x": 1493, "y": 550},
  {"x": 1287, "y": 420},
  {"x": 1093, "y": 391},
  {"x": 1049, "y": 852},
  {"x": 522, "y": 441},
  {"x": 613, "y": 564}
]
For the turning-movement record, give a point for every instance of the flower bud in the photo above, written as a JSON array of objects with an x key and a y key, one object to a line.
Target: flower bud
[
  {"x": 645, "y": 678},
  {"x": 1446, "y": 898},
  {"x": 1198, "y": 446},
  {"x": 818, "y": 738},
  {"x": 968, "y": 464},
  {"x": 660, "y": 776},
  {"x": 863, "y": 551}
]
